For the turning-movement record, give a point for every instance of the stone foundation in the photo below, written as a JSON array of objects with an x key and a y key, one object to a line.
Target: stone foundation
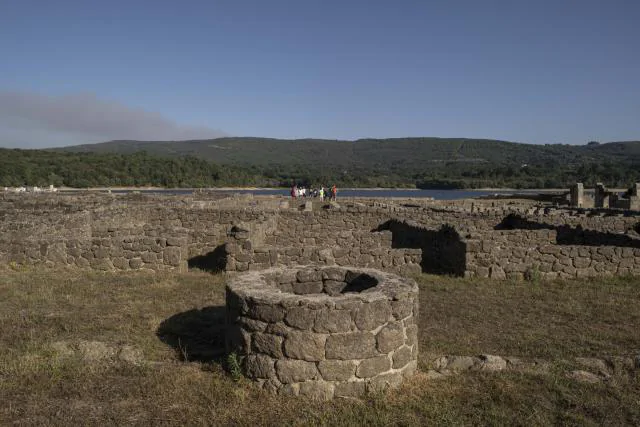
[{"x": 323, "y": 332}]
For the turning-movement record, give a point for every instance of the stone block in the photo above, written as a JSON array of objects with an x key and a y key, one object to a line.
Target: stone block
[
  {"x": 385, "y": 381},
  {"x": 337, "y": 370},
  {"x": 352, "y": 345},
  {"x": 262, "y": 258},
  {"x": 172, "y": 256},
  {"x": 243, "y": 257},
  {"x": 300, "y": 318},
  {"x": 279, "y": 329},
  {"x": 305, "y": 288},
  {"x": 326, "y": 255},
  {"x": 305, "y": 346},
  {"x": 266, "y": 312},
  {"x": 340, "y": 253},
  {"x": 333, "y": 288},
  {"x": 149, "y": 257},
  {"x": 317, "y": 390},
  {"x": 350, "y": 389},
  {"x": 309, "y": 276},
  {"x": 492, "y": 363},
  {"x": 259, "y": 366},
  {"x": 371, "y": 367},
  {"x": 101, "y": 253},
  {"x": 401, "y": 357},
  {"x": 410, "y": 368},
  {"x": 121, "y": 263},
  {"x": 373, "y": 315},
  {"x": 412, "y": 335},
  {"x": 252, "y": 324},
  {"x": 332, "y": 321},
  {"x": 390, "y": 337},
  {"x": 268, "y": 344},
  {"x": 293, "y": 371},
  {"x": 581, "y": 262},
  {"x": 290, "y": 389},
  {"x": 101, "y": 264}
]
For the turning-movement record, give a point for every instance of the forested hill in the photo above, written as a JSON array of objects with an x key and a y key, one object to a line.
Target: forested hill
[
  {"x": 408, "y": 152},
  {"x": 400, "y": 162}
]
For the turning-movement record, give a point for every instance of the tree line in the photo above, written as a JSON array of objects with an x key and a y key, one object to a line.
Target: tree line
[{"x": 85, "y": 169}]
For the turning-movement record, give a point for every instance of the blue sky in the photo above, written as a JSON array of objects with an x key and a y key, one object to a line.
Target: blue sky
[{"x": 562, "y": 71}]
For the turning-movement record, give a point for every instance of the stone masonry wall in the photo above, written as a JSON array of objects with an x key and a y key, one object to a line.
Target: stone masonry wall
[
  {"x": 99, "y": 231},
  {"x": 361, "y": 249},
  {"x": 126, "y": 253},
  {"x": 517, "y": 254}
]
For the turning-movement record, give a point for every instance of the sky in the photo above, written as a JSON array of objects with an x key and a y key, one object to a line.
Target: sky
[{"x": 543, "y": 71}]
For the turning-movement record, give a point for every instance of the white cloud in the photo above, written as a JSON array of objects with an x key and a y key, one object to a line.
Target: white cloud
[{"x": 30, "y": 120}]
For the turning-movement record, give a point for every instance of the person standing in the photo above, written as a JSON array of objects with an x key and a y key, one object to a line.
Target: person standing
[
  {"x": 334, "y": 192},
  {"x": 294, "y": 191},
  {"x": 321, "y": 193}
]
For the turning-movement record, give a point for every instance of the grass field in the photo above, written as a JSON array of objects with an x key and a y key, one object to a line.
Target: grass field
[{"x": 105, "y": 349}]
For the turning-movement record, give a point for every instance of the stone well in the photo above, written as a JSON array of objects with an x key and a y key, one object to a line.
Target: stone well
[{"x": 323, "y": 332}]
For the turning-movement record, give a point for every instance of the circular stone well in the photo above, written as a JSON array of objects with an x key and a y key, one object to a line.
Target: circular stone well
[{"x": 323, "y": 332}]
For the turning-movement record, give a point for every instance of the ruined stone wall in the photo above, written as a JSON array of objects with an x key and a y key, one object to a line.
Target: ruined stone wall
[
  {"x": 107, "y": 232},
  {"x": 362, "y": 249},
  {"x": 109, "y": 253},
  {"x": 129, "y": 232},
  {"x": 520, "y": 254}
]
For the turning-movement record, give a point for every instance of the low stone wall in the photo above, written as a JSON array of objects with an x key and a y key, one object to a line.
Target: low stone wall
[
  {"x": 323, "y": 332},
  {"x": 118, "y": 253},
  {"x": 518, "y": 254},
  {"x": 368, "y": 249}
]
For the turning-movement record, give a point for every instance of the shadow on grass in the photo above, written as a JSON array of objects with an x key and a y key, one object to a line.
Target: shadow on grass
[{"x": 195, "y": 335}]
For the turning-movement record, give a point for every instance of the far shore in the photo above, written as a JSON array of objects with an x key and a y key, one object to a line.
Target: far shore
[
  {"x": 196, "y": 189},
  {"x": 528, "y": 190}
]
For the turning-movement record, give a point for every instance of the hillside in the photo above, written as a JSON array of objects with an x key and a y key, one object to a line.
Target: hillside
[
  {"x": 258, "y": 151},
  {"x": 425, "y": 162},
  {"x": 399, "y": 162},
  {"x": 405, "y": 151}
]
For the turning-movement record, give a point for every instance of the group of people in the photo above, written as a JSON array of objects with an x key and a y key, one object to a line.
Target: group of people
[{"x": 322, "y": 193}]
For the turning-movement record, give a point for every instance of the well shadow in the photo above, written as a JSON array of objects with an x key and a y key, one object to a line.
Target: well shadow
[{"x": 195, "y": 335}]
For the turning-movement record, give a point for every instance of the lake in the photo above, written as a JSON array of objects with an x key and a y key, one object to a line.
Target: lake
[{"x": 384, "y": 193}]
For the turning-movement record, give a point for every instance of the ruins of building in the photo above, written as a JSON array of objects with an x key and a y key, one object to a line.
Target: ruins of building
[
  {"x": 604, "y": 198},
  {"x": 107, "y": 232}
]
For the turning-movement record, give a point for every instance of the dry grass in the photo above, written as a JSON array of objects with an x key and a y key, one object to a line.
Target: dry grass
[
  {"x": 551, "y": 320},
  {"x": 51, "y": 384}
]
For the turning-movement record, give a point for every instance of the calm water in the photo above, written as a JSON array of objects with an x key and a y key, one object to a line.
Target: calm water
[{"x": 436, "y": 194}]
